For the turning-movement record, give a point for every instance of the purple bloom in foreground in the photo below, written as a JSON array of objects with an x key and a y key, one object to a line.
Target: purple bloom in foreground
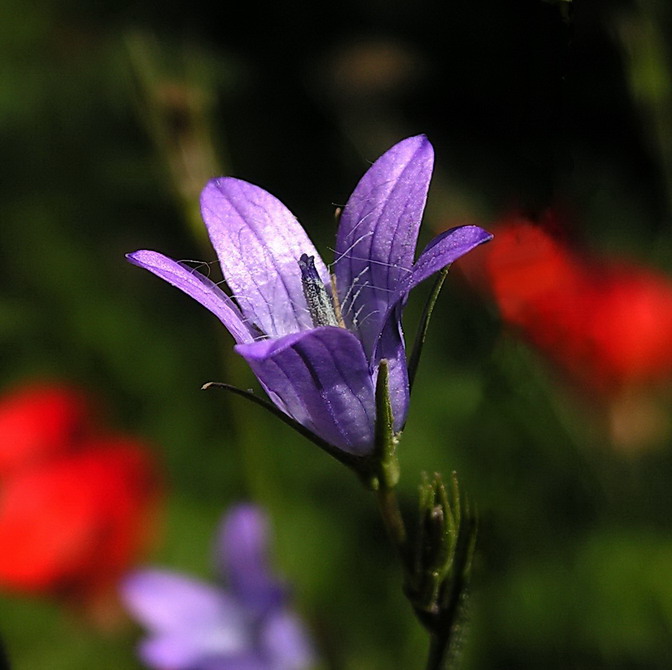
[
  {"x": 195, "y": 626},
  {"x": 316, "y": 345}
]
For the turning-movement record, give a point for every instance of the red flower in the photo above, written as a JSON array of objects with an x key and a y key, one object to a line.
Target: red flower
[
  {"x": 77, "y": 520},
  {"x": 38, "y": 422},
  {"x": 606, "y": 323},
  {"x": 76, "y": 504}
]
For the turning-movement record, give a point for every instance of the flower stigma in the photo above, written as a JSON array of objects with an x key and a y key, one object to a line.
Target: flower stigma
[{"x": 320, "y": 304}]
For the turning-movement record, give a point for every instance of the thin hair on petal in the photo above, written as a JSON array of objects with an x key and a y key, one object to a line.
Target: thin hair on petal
[
  {"x": 381, "y": 263},
  {"x": 194, "y": 265},
  {"x": 346, "y": 253},
  {"x": 359, "y": 322},
  {"x": 349, "y": 294}
]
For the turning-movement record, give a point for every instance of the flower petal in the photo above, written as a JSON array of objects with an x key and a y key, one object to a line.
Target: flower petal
[
  {"x": 320, "y": 378},
  {"x": 285, "y": 642},
  {"x": 242, "y": 553},
  {"x": 169, "y": 603},
  {"x": 443, "y": 250},
  {"x": 391, "y": 347},
  {"x": 249, "y": 661},
  {"x": 177, "y": 653},
  {"x": 169, "y": 651},
  {"x": 259, "y": 242},
  {"x": 39, "y": 421},
  {"x": 199, "y": 287},
  {"x": 377, "y": 235},
  {"x": 76, "y": 519}
]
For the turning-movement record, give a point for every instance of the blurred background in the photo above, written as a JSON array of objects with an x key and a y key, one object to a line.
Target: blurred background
[{"x": 546, "y": 379}]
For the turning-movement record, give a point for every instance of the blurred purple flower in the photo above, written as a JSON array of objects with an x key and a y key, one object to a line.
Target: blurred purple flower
[
  {"x": 195, "y": 626},
  {"x": 314, "y": 345}
]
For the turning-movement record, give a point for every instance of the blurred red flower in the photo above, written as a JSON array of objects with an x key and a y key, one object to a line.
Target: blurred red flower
[
  {"x": 76, "y": 502},
  {"x": 606, "y": 323},
  {"x": 41, "y": 421}
]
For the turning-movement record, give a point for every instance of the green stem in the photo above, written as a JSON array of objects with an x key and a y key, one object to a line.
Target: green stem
[
  {"x": 423, "y": 327},
  {"x": 445, "y": 639},
  {"x": 388, "y": 504},
  {"x": 438, "y": 649}
]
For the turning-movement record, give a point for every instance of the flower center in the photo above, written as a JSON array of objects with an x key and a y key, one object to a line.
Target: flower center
[{"x": 320, "y": 304}]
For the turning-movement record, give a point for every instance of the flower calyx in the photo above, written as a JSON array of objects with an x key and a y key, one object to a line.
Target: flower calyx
[
  {"x": 442, "y": 555},
  {"x": 381, "y": 470}
]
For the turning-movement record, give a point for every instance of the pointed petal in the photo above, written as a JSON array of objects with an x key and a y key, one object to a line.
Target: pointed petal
[
  {"x": 242, "y": 555},
  {"x": 378, "y": 232},
  {"x": 199, "y": 287},
  {"x": 167, "y": 602},
  {"x": 259, "y": 242},
  {"x": 320, "y": 378},
  {"x": 443, "y": 250},
  {"x": 285, "y": 642}
]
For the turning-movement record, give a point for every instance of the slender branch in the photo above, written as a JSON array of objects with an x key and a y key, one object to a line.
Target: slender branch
[
  {"x": 4, "y": 657},
  {"x": 445, "y": 642},
  {"x": 423, "y": 326},
  {"x": 385, "y": 470},
  {"x": 388, "y": 505},
  {"x": 438, "y": 648}
]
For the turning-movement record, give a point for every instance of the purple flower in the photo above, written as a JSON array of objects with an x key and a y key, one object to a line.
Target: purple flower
[
  {"x": 315, "y": 341},
  {"x": 195, "y": 626}
]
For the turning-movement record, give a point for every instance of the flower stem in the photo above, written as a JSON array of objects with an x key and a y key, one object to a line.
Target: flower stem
[
  {"x": 421, "y": 333},
  {"x": 438, "y": 648},
  {"x": 388, "y": 505},
  {"x": 445, "y": 642}
]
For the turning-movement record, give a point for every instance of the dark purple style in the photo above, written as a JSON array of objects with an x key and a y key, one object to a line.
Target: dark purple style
[
  {"x": 193, "y": 625},
  {"x": 316, "y": 344}
]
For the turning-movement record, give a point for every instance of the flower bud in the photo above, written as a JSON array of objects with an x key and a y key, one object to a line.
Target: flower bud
[{"x": 442, "y": 554}]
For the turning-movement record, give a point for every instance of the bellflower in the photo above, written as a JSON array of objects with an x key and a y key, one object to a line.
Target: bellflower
[
  {"x": 315, "y": 340},
  {"x": 196, "y": 626}
]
